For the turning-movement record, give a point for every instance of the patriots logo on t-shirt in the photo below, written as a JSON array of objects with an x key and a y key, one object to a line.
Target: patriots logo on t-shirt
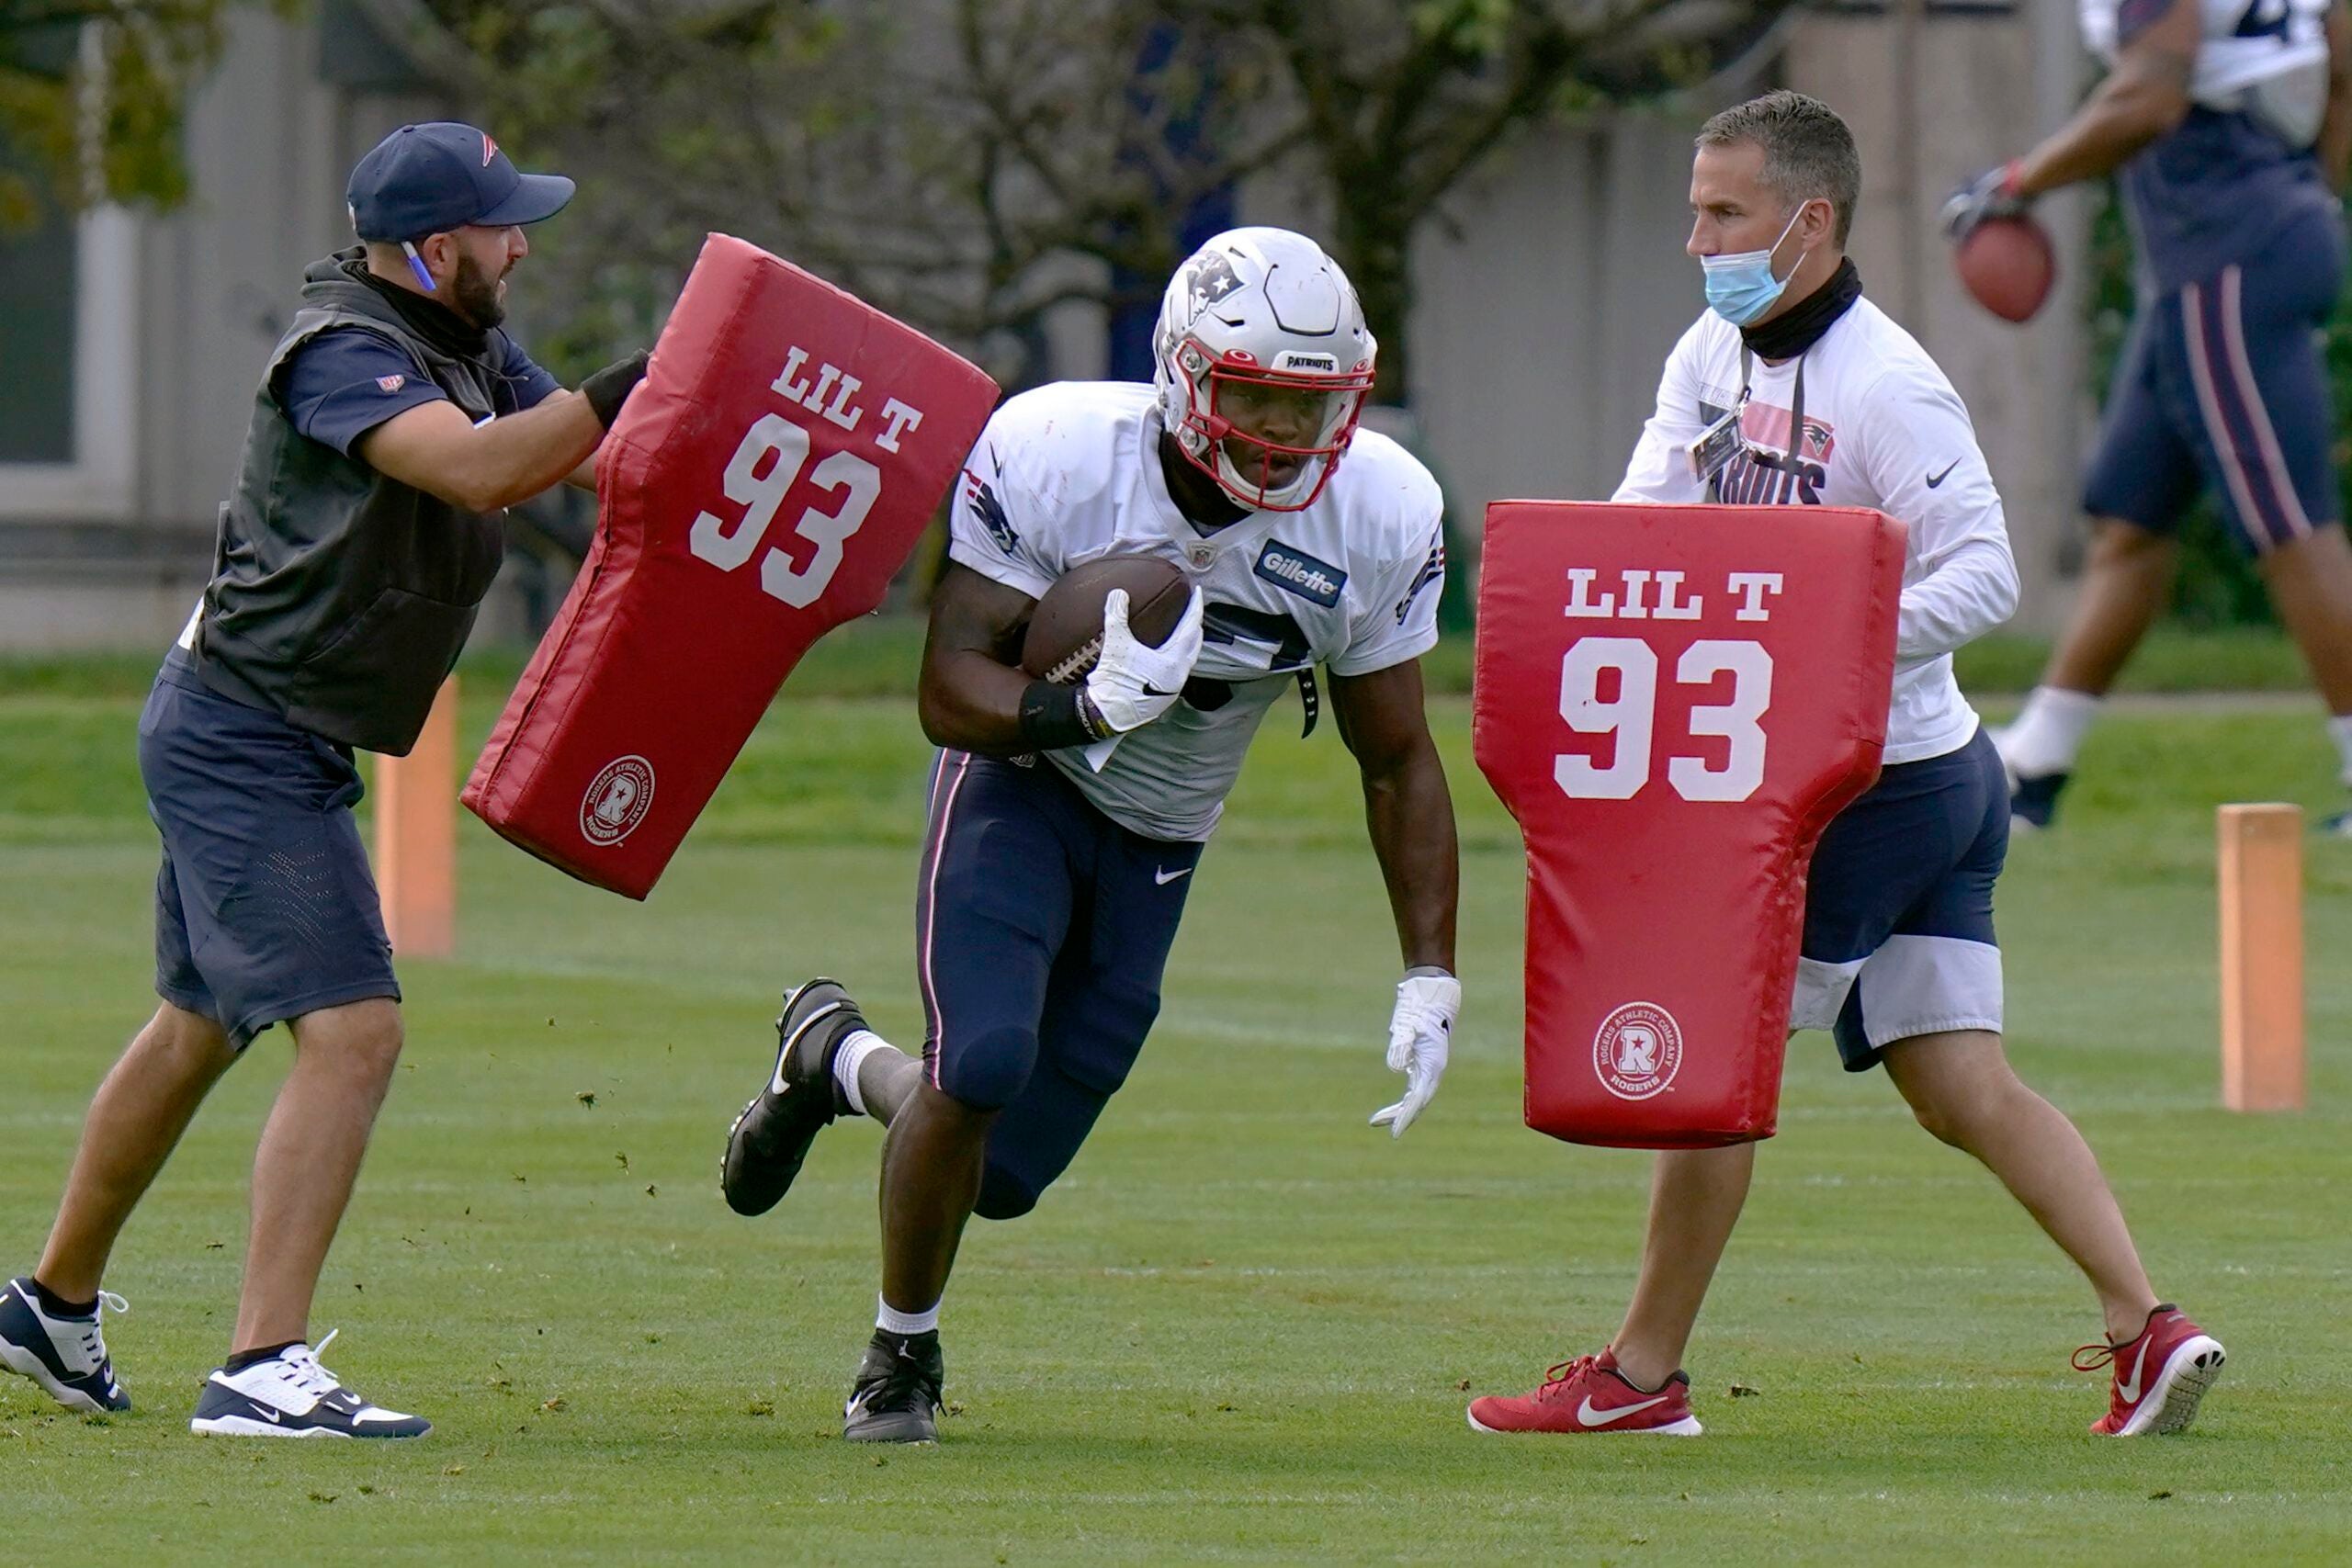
[{"x": 390, "y": 383}]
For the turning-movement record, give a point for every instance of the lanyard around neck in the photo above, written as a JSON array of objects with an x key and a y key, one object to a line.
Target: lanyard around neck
[
  {"x": 1795, "y": 412},
  {"x": 1796, "y": 398}
]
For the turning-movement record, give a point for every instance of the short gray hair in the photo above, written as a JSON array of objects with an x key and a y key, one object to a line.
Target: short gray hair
[{"x": 1809, "y": 153}]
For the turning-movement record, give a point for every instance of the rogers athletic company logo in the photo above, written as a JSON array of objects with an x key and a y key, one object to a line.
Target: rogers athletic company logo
[
  {"x": 1637, "y": 1050},
  {"x": 618, "y": 800}
]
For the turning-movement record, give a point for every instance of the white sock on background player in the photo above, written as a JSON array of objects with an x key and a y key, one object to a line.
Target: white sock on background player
[
  {"x": 2339, "y": 729},
  {"x": 891, "y": 1320},
  {"x": 2049, "y": 731},
  {"x": 850, "y": 1057}
]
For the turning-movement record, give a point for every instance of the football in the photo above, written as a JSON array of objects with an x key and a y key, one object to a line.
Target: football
[
  {"x": 2008, "y": 263},
  {"x": 1065, "y": 635}
]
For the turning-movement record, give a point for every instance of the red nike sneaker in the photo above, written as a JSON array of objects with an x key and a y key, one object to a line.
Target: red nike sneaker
[
  {"x": 2159, "y": 1377},
  {"x": 1590, "y": 1395}
]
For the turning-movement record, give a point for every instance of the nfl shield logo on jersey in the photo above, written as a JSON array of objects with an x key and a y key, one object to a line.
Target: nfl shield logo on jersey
[{"x": 390, "y": 383}]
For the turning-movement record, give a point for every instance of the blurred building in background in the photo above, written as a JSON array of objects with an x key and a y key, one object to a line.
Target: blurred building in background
[{"x": 1548, "y": 296}]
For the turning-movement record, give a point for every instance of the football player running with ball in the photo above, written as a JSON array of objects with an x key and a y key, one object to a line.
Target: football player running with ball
[
  {"x": 2228, "y": 127},
  {"x": 1066, "y": 820},
  {"x": 1835, "y": 405}
]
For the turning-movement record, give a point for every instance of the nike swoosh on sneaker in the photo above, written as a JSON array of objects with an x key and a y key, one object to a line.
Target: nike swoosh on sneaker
[
  {"x": 1163, "y": 877},
  {"x": 2130, "y": 1391},
  {"x": 1587, "y": 1416}
]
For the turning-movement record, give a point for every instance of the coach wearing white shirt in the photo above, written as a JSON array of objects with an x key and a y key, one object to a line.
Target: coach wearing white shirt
[{"x": 1794, "y": 390}]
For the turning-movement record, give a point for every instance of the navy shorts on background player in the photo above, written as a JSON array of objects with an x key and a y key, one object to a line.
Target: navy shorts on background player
[
  {"x": 264, "y": 907},
  {"x": 2224, "y": 386},
  {"x": 1898, "y": 910},
  {"x": 1042, "y": 928}
]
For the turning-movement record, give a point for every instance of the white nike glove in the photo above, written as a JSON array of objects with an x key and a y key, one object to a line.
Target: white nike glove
[
  {"x": 1133, "y": 683},
  {"x": 1421, "y": 1032}
]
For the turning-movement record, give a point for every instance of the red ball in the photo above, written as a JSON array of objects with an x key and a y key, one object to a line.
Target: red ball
[{"x": 2009, "y": 264}]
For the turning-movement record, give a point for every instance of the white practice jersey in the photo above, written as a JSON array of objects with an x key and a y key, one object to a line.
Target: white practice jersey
[
  {"x": 2267, "y": 58},
  {"x": 1071, "y": 473},
  {"x": 1883, "y": 429}
]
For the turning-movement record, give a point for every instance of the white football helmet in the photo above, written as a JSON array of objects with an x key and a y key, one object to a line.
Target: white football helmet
[{"x": 1261, "y": 346}]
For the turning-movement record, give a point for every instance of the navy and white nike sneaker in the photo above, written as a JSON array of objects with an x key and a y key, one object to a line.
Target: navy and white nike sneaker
[
  {"x": 67, "y": 1355},
  {"x": 291, "y": 1395},
  {"x": 771, "y": 1138}
]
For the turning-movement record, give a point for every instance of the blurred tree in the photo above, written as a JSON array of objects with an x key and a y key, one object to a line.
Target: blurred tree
[
  {"x": 92, "y": 114},
  {"x": 1395, "y": 104},
  {"x": 970, "y": 165}
]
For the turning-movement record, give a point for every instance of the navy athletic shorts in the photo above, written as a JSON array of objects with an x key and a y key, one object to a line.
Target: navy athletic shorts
[
  {"x": 1898, "y": 907},
  {"x": 265, "y": 907},
  {"x": 2224, "y": 386},
  {"x": 1042, "y": 928}
]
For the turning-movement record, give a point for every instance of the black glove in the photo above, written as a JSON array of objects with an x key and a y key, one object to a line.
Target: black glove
[
  {"x": 608, "y": 389},
  {"x": 1993, "y": 193}
]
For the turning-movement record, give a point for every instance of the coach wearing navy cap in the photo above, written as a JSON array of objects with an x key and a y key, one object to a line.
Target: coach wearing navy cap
[{"x": 394, "y": 423}]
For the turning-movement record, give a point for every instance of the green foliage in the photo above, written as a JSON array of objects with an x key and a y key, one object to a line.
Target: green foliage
[
  {"x": 154, "y": 52},
  {"x": 1239, "y": 1330}
]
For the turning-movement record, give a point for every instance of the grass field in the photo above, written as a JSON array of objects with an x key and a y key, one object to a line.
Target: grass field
[{"x": 1241, "y": 1328}]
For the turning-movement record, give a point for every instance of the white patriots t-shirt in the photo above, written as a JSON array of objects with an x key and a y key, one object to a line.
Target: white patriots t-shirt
[
  {"x": 1883, "y": 429},
  {"x": 1071, "y": 473}
]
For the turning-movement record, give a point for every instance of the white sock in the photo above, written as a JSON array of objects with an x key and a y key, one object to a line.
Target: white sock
[
  {"x": 861, "y": 1043},
  {"x": 2340, "y": 727},
  {"x": 2049, "y": 731},
  {"x": 891, "y": 1320}
]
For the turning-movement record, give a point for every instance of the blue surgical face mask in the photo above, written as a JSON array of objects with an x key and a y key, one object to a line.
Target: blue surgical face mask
[{"x": 1740, "y": 286}]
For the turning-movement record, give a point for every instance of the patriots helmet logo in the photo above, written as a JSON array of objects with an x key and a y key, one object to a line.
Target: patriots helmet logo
[{"x": 1211, "y": 279}]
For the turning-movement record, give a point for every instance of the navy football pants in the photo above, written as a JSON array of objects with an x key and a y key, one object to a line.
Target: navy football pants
[
  {"x": 1042, "y": 928},
  {"x": 2224, "y": 386}
]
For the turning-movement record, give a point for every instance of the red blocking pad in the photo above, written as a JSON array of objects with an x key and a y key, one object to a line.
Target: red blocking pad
[
  {"x": 1674, "y": 701},
  {"x": 763, "y": 484}
]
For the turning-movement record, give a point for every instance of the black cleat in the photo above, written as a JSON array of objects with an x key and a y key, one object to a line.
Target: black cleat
[
  {"x": 771, "y": 1138},
  {"x": 896, "y": 1397},
  {"x": 2033, "y": 801}
]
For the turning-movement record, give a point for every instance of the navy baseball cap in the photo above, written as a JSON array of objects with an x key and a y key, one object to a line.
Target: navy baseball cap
[{"x": 428, "y": 179}]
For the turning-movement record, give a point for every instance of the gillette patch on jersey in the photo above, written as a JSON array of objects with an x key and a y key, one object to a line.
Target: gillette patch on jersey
[{"x": 1301, "y": 573}]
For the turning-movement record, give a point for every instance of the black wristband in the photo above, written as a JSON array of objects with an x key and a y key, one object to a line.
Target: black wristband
[
  {"x": 1054, "y": 717},
  {"x": 608, "y": 389}
]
